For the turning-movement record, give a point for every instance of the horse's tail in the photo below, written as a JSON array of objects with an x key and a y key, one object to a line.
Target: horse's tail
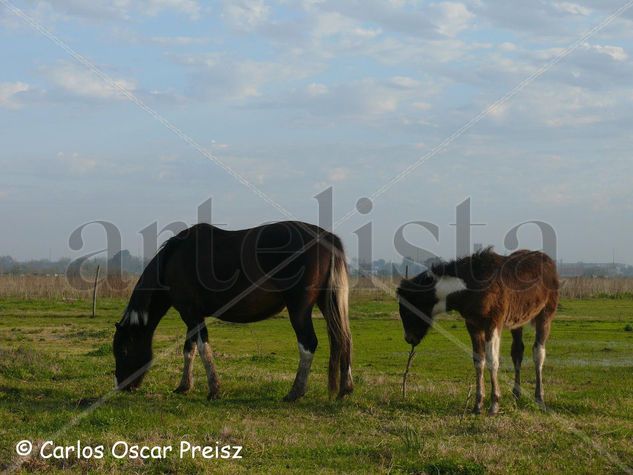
[
  {"x": 150, "y": 299},
  {"x": 334, "y": 305}
]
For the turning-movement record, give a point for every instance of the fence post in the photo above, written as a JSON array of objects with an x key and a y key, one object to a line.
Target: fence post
[{"x": 94, "y": 293}]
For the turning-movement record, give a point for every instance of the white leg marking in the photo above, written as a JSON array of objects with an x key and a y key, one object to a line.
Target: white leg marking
[
  {"x": 480, "y": 364},
  {"x": 538, "y": 355},
  {"x": 300, "y": 384},
  {"x": 492, "y": 351},
  {"x": 305, "y": 362},
  {"x": 187, "y": 372},
  {"x": 207, "y": 358},
  {"x": 492, "y": 358}
]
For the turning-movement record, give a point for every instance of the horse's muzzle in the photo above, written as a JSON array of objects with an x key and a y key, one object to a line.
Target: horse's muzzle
[{"x": 411, "y": 339}]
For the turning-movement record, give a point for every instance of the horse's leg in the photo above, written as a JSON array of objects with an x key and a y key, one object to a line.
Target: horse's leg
[
  {"x": 189, "y": 353},
  {"x": 202, "y": 338},
  {"x": 517, "y": 358},
  {"x": 493, "y": 338},
  {"x": 478, "y": 340},
  {"x": 542, "y": 325},
  {"x": 301, "y": 319}
]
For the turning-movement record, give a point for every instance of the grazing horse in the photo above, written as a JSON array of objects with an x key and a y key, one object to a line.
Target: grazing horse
[
  {"x": 490, "y": 292},
  {"x": 241, "y": 277}
]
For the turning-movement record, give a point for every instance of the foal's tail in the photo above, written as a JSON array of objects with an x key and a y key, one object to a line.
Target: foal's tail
[
  {"x": 150, "y": 299},
  {"x": 334, "y": 305}
]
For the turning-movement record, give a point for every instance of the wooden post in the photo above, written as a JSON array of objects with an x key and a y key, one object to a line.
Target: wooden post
[{"x": 94, "y": 294}]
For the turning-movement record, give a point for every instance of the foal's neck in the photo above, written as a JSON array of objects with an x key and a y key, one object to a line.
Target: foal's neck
[{"x": 446, "y": 285}]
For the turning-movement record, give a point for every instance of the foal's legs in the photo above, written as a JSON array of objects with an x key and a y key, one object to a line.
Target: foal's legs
[
  {"x": 542, "y": 326},
  {"x": 301, "y": 319},
  {"x": 493, "y": 339},
  {"x": 189, "y": 353},
  {"x": 478, "y": 340},
  {"x": 517, "y": 358}
]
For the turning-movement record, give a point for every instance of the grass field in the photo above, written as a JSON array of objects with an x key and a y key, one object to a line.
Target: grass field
[{"x": 55, "y": 362}]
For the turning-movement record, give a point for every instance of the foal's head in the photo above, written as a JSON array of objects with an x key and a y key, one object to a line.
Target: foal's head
[
  {"x": 417, "y": 299},
  {"x": 132, "y": 347}
]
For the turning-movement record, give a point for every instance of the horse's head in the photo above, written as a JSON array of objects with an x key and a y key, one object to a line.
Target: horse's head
[
  {"x": 132, "y": 348},
  {"x": 416, "y": 299}
]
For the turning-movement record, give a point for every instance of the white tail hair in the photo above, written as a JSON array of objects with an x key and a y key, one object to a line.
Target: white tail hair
[{"x": 336, "y": 313}]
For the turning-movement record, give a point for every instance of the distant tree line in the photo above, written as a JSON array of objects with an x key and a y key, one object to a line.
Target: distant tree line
[
  {"x": 384, "y": 268},
  {"x": 125, "y": 263},
  {"x": 121, "y": 263}
]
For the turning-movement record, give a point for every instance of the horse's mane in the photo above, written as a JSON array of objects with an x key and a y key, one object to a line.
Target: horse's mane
[
  {"x": 478, "y": 263},
  {"x": 423, "y": 281}
]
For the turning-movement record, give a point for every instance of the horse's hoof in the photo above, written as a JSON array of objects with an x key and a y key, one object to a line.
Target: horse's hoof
[
  {"x": 476, "y": 410},
  {"x": 213, "y": 396},
  {"x": 494, "y": 410},
  {"x": 541, "y": 404},
  {"x": 182, "y": 389},
  {"x": 292, "y": 396},
  {"x": 516, "y": 393},
  {"x": 344, "y": 392}
]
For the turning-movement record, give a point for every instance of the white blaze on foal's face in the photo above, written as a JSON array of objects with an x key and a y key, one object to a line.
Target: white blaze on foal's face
[{"x": 445, "y": 286}]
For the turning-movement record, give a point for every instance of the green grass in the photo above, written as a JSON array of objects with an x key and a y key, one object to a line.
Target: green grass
[{"x": 55, "y": 362}]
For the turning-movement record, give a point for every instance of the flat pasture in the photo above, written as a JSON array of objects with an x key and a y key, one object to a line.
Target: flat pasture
[{"x": 56, "y": 380}]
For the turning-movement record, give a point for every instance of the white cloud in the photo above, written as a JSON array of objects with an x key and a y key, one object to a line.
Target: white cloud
[
  {"x": 617, "y": 53},
  {"x": 245, "y": 14},
  {"x": 347, "y": 31},
  {"x": 338, "y": 174},
  {"x": 404, "y": 82},
  {"x": 451, "y": 18},
  {"x": 507, "y": 46},
  {"x": 76, "y": 163},
  {"x": 223, "y": 76},
  {"x": 81, "y": 82},
  {"x": 316, "y": 89},
  {"x": 9, "y": 93},
  {"x": 555, "y": 195},
  {"x": 572, "y": 8},
  {"x": 421, "y": 106},
  {"x": 363, "y": 100},
  {"x": 153, "y": 7},
  {"x": 178, "y": 40},
  {"x": 558, "y": 106},
  {"x": 113, "y": 10}
]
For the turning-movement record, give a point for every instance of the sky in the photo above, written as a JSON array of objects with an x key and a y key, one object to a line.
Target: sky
[{"x": 135, "y": 112}]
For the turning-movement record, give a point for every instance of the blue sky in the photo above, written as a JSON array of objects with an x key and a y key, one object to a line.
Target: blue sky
[{"x": 299, "y": 96}]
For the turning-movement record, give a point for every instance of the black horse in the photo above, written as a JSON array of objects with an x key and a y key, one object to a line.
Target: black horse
[{"x": 240, "y": 276}]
